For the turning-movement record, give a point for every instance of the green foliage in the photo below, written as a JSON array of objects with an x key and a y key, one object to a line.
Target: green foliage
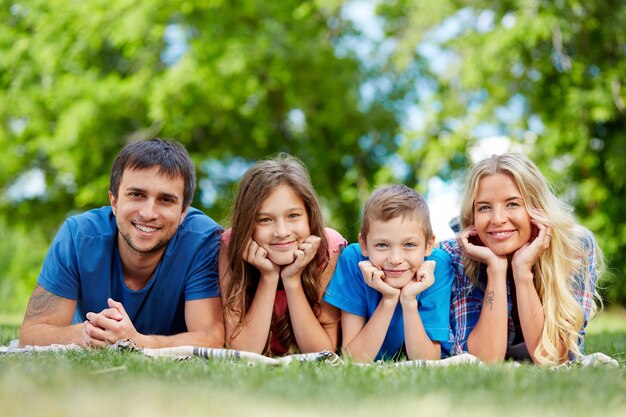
[
  {"x": 79, "y": 81},
  {"x": 549, "y": 75},
  {"x": 233, "y": 81},
  {"x": 238, "y": 81},
  {"x": 22, "y": 255}
]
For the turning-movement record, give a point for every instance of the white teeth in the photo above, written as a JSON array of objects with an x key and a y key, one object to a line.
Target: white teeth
[{"x": 146, "y": 228}]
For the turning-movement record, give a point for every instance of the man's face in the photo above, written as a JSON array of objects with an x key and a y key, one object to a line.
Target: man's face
[{"x": 148, "y": 210}]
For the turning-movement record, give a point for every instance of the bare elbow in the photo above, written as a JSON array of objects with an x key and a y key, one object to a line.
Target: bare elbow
[{"x": 25, "y": 336}]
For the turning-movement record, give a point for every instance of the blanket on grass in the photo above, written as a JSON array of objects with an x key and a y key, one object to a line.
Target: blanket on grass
[{"x": 326, "y": 357}]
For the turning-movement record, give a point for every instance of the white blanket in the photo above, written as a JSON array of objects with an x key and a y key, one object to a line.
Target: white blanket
[{"x": 329, "y": 358}]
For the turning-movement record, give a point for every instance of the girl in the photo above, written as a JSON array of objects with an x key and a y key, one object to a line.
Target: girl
[
  {"x": 525, "y": 272},
  {"x": 275, "y": 264}
]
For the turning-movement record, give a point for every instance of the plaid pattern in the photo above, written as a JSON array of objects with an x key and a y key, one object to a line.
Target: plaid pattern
[{"x": 467, "y": 298}]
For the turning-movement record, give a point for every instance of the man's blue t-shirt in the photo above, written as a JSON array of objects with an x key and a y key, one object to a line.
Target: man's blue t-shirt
[
  {"x": 83, "y": 264},
  {"x": 348, "y": 291}
]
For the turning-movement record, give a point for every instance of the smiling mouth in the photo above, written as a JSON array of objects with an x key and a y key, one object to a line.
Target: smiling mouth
[
  {"x": 393, "y": 273},
  {"x": 502, "y": 234},
  {"x": 283, "y": 245},
  {"x": 146, "y": 229}
]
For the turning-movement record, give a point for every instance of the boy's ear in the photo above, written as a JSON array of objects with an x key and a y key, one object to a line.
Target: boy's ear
[
  {"x": 430, "y": 245},
  {"x": 362, "y": 245}
]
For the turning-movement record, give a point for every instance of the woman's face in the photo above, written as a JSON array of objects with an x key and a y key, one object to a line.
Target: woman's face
[
  {"x": 500, "y": 215},
  {"x": 281, "y": 224}
]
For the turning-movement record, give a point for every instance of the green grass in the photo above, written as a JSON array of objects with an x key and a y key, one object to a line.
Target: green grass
[{"x": 103, "y": 383}]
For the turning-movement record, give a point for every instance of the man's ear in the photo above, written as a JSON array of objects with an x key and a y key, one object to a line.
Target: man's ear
[
  {"x": 113, "y": 201},
  {"x": 182, "y": 216},
  {"x": 430, "y": 245},
  {"x": 362, "y": 245}
]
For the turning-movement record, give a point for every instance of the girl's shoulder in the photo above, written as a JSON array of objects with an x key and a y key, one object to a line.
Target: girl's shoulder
[
  {"x": 226, "y": 236},
  {"x": 335, "y": 241}
]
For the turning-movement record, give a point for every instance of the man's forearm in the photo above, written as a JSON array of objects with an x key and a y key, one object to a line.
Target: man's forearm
[
  {"x": 42, "y": 334},
  {"x": 209, "y": 339}
]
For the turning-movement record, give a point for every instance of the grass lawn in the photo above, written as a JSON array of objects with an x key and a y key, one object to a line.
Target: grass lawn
[{"x": 103, "y": 383}]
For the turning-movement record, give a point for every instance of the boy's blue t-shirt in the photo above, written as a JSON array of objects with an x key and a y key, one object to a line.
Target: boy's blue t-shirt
[
  {"x": 348, "y": 291},
  {"x": 83, "y": 264}
]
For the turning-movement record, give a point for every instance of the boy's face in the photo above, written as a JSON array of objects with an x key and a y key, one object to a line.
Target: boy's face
[{"x": 396, "y": 247}]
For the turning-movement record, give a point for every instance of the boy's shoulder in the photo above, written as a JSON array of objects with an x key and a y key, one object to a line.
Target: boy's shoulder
[
  {"x": 353, "y": 251},
  {"x": 438, "y": 254}
]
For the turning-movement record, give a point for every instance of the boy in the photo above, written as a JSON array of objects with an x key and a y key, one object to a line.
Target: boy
[{"x": 393, "y": 288}]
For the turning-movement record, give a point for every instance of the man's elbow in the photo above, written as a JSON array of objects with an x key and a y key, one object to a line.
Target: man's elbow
[
  {"x": 27, "y": 336},
  {"x": 213, "y": 337}
]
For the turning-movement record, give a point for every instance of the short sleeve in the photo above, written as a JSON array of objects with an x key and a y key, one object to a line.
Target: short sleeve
[
  {"x": 59, "y": 273},
  {"x": 346, "y": 289},
  {"x": 336, "y": 242},
  {"x": 434, "y": 303},
  {"x": 203, "y": 278}
]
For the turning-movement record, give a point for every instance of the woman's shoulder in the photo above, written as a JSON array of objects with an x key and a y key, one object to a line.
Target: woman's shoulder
[
  {"x": 451, "y": 247},
  {"x": 586, "y": 237}
]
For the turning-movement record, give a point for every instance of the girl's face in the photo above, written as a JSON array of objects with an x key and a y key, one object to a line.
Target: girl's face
[
  {"x": 500, "y": 216},
  {"x": 282, "y": 223}
]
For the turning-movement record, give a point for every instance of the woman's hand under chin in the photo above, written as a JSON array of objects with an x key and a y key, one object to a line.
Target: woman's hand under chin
[
  {"x": 479, "y": 252},
  {"x": 526, "y": 256}
]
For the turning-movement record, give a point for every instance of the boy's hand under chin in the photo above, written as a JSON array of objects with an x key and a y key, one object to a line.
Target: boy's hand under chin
[
  {"x": 374, "y": 278},
  {"x": 424, "y": 278}
]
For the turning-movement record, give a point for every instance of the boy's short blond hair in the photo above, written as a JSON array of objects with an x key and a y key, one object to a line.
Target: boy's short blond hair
[{"x": 394, "y": 201}]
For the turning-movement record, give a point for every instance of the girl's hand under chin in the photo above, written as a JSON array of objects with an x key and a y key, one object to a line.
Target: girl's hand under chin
[
  {"x": 302, "y": 257},
  {"x": 256, "y": 256}
]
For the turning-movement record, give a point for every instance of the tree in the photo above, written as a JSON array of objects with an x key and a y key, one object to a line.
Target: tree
[
  {"x": 550, "y": 75},
  {"x": 233, "y": 81},
  {"x": 228, "y": 79}
]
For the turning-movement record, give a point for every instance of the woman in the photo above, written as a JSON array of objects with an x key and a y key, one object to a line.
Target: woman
[{"x": 525, "y": 271}]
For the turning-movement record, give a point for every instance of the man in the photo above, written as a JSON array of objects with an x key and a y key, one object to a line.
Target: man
[{"x": 144, "y": 268}]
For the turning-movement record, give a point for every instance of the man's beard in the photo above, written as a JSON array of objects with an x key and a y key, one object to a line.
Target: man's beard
[{"x": 160, "y": 244}]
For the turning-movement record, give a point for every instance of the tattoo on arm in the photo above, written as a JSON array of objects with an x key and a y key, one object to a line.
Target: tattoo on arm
[
  {"x": 490, "y": 299},
  {"x": 41, "y": 302}
]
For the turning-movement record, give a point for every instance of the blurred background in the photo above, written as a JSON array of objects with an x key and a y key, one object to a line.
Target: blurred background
[{"x": 365, "y": 92}]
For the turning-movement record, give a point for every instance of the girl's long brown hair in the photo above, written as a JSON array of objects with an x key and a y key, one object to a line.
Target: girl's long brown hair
[{"x": 256, "y": 185}]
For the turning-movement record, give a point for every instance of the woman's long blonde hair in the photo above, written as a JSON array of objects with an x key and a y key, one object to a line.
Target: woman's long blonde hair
[
  {"x": 256, "y": 185},
  {"x": 556, "y": 271}
]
